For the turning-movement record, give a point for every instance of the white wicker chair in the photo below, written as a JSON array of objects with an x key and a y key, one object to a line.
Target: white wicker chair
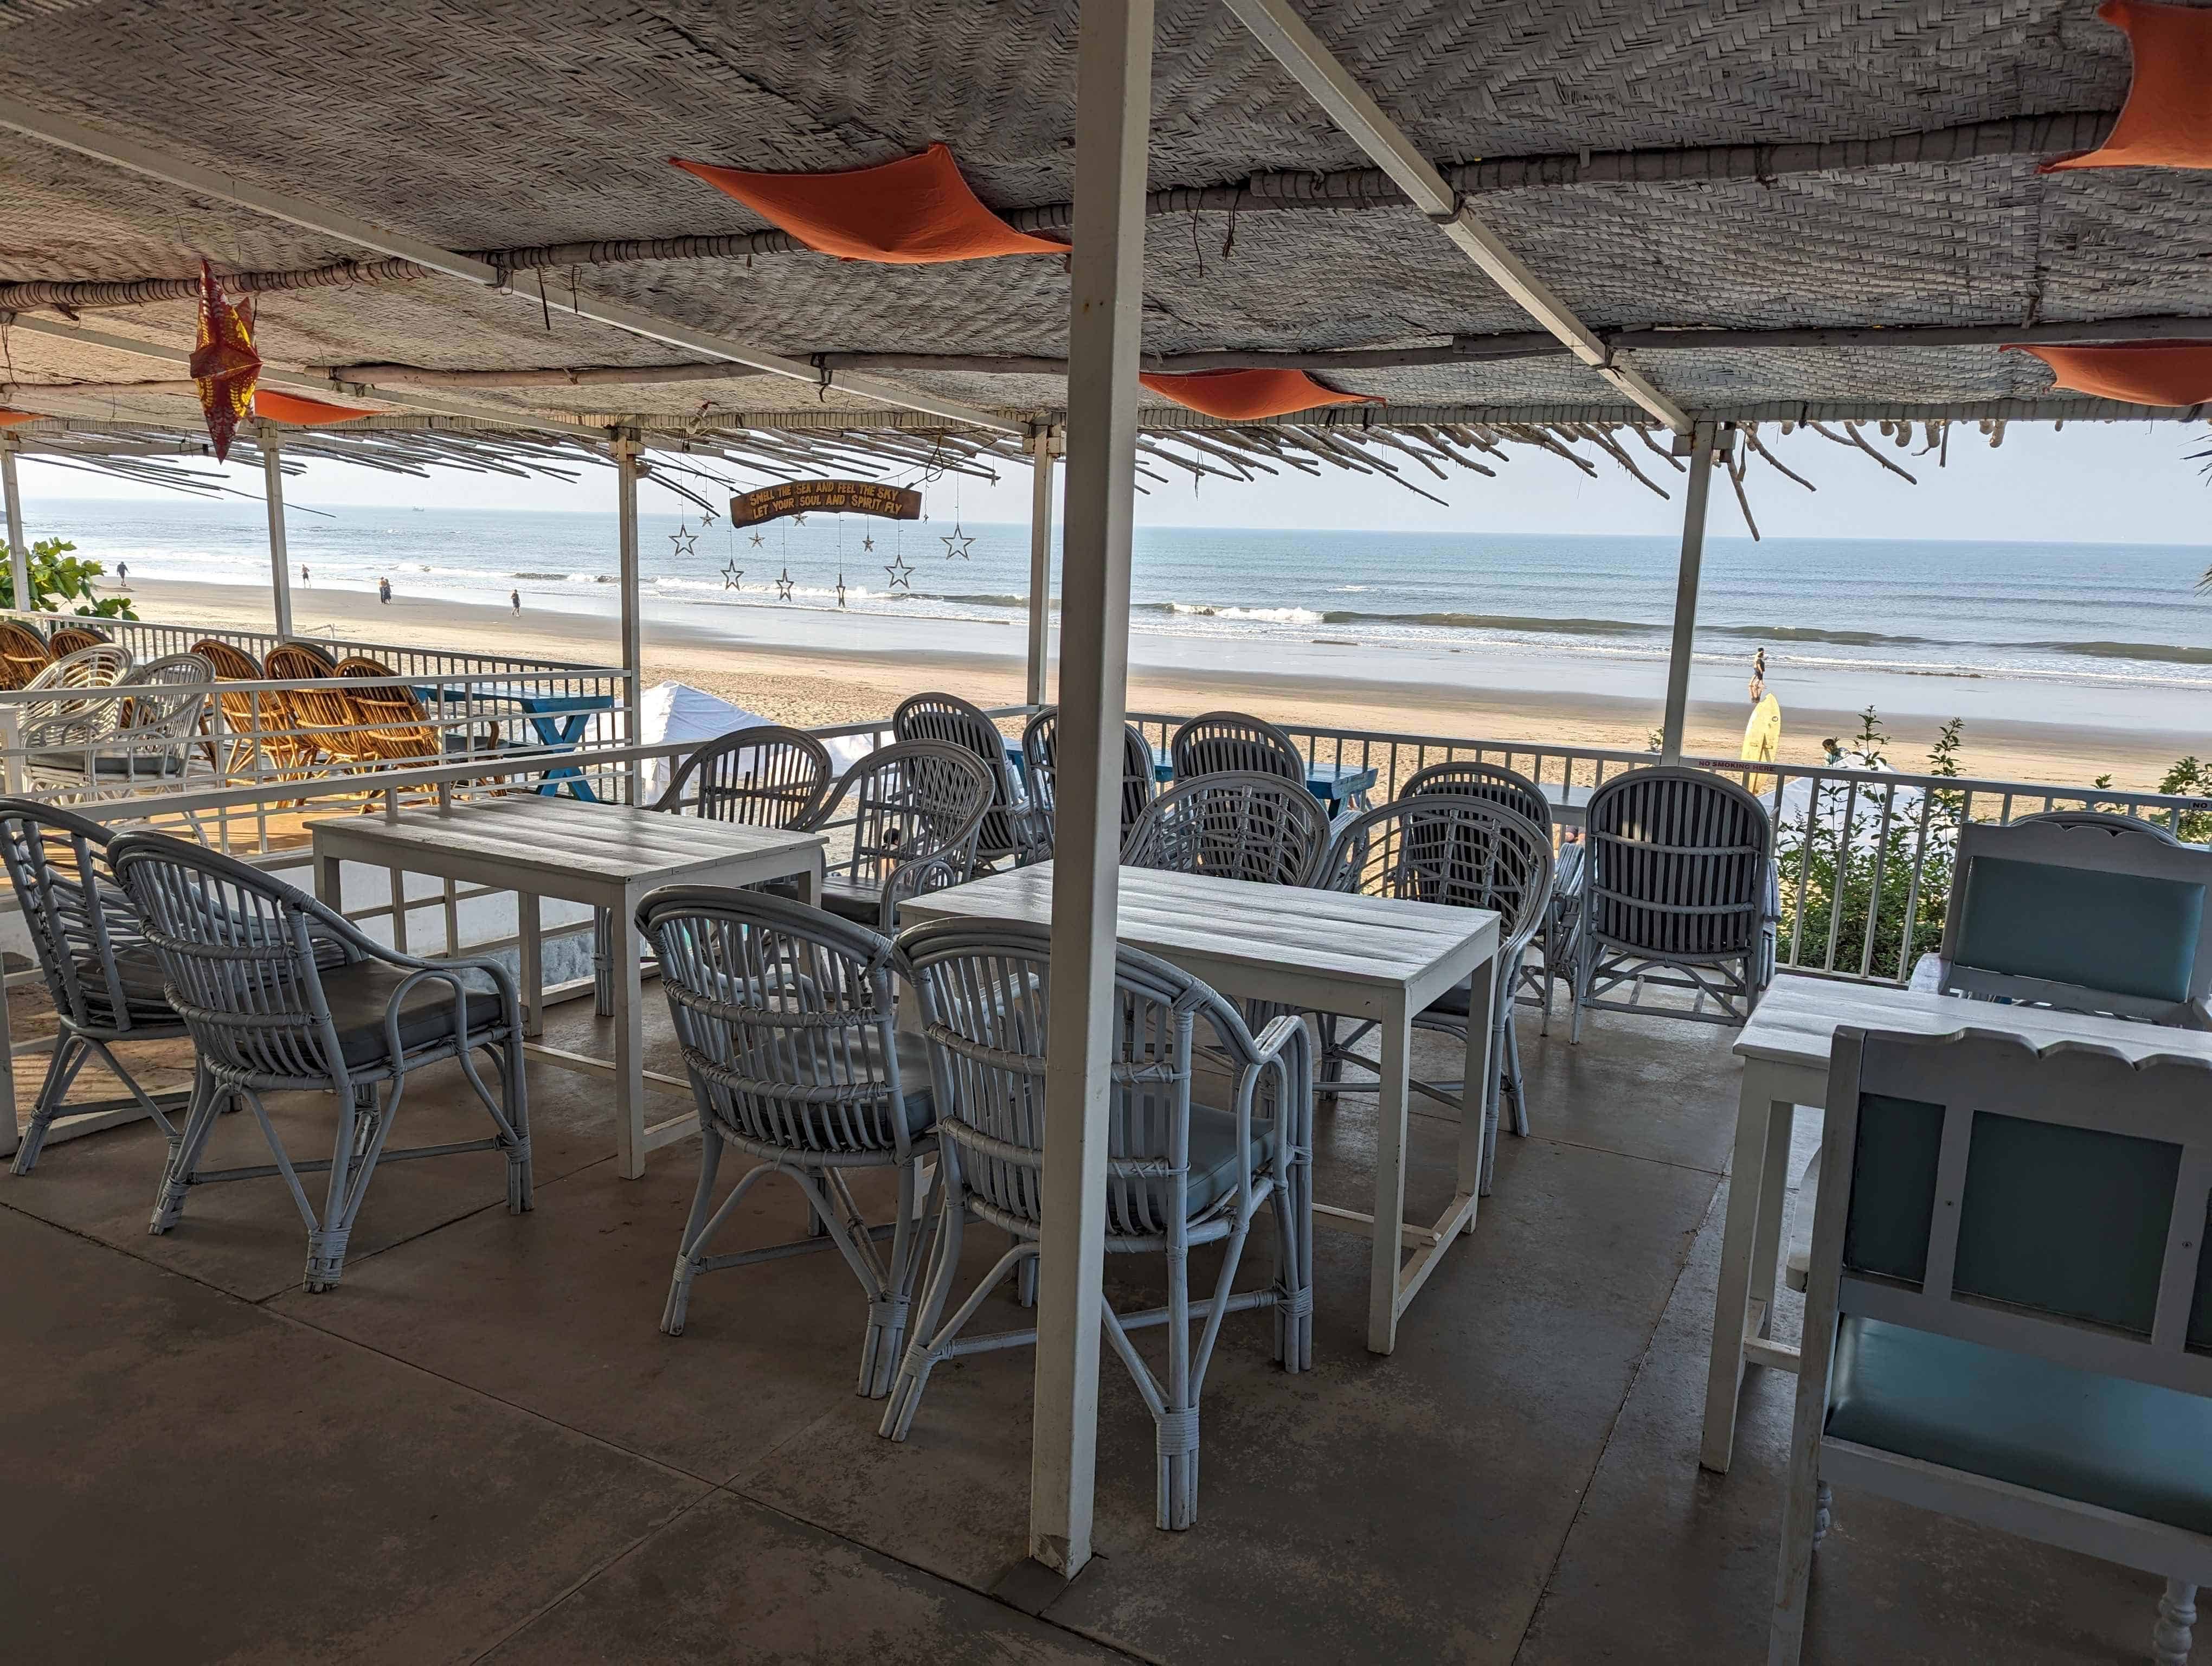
[
  {"x": 1220, "y": 743},
  {"x": 1017, "y": 829},
  {"x": 914, "y": 812},
  {"x": 1179, "y": 1175},
  {"x": 1234, "y": 825}
]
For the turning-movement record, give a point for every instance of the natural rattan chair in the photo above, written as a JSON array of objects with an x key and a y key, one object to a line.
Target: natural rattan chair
[
  {"x": 1040, "y": 761},
  {"x": 914, "y": 810},
  {"x": 23, "y": 653},
  {"x": 249, "y": 965},
  {"x": 1462, "y": 851},
  {"x": 394, "y": 725},
  {"x": 1237, "y": 825},
  {"x": 101, "y": 973},
  {"x": 1222, "y": 743},
  {"x": 787, "y": 1020},
  {"x": 1016, "y": 829},
  {"x": 67, "y": 639},
  {"x": 324, "y": 720},
  {"x": 1180, "y": 1174},
  {"x": 1677, "y": 896},
  {"x": 1555, "y": 936},
  {"x": 255, "y": 726}
]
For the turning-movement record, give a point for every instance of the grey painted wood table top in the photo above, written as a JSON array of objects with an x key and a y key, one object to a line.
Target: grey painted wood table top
[{"x": 1798, "y": 1017}]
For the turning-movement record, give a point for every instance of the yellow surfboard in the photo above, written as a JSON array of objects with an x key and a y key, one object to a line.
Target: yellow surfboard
[{"x": 1762, "y": 740}]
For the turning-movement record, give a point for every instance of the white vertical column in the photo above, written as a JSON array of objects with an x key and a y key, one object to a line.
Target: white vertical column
[
  {"x": 280, "y": 562},
  {"x": 1041, "y": 454},
  {"x": 1113, "y": 80},
  {"x": 627, "y": 469},
  {"x": 19, "y": 552},
  {"x": 1685, "y": 593}
]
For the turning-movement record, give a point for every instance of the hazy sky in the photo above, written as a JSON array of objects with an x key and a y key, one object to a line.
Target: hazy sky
[{"x": 2095, "y": 483}]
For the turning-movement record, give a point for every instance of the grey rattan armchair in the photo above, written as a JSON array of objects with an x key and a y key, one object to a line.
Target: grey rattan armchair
[
  {"x": 1016, "y": 829},
  {"x": 1222, "y": 743},
  {"x": 1238, "y": 825},
  {"x": 1462, "y": 851},
  {"x": 1179, "y": 1173},
  {"x": 99, "y": 971},
  {"x": 1678, "y": 894},
  {"x": 1040, "y": 759},
  {"x": 283, "y": 995},
  {"x": 1555, "y": 936},
  {"x": 787, "y": 1020},
  {"x": 903, "y": 821}
]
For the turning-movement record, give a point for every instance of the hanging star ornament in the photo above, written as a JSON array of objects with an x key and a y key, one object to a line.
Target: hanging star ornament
[
  {"x": 684, "y": 538},
  {"x": 867, "y": 543},
  {"x": 901, "y": 573},
  {"x": 783, "y": 586},
  {"x": 965, "y": 543},
  {"x": 706, "y": 516},
  {"x": 841, "y": 590},
  {"x": 730, "y": 576},
  {"x": 799, "y": 519},
  {"x": 759, "y": 539}
]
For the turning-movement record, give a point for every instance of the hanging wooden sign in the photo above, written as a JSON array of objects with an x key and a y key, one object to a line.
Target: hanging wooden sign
[{"x": 800, "y": 497}]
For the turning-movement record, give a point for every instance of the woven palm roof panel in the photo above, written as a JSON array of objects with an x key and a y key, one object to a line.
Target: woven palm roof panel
[{"x": 522, "y": 122}]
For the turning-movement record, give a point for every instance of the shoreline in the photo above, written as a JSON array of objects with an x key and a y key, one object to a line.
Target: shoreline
[{"x": 813, "y": 683}]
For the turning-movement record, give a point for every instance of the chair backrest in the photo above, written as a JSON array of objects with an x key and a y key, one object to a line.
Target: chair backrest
[
  {"x": 239, "y": 954},
  {"x": 1678, "y": 861},
  {"x": 231, "y": 662},
  {"x": 765, "y": 776},
  {"x": 66, "y": 639},
  {"x": 23, "y": 653},
  {"x": 1234, "y": 743},
  {"x": 252, "y": 721},
  {"x": 952, "y": 722},
  {"x": 176, "y": 695},
  {"x": 916, "y": 809},
  {"x": 1040, "y": 758},
  {"x": 984, "y": 988},
  {"x": 2092, "y": 915},
  {"x": 1453, "y": 848},
  {"x": 1494, "y": 781},
  {"x": 2050, "y": 1204},
  {"x": 59, "y": 719},
  {"x": 786, "y": 1018},
  {"x": 330, "y": 708},
  {"x": 299, "y": 652},
  {"x": 1234, "y": 826},
  {"x": 78, "y": 917},
  {"x": 2112, "y": 821},
  {"x": 97, "y": 665},
  {"x": 392, "y": 719}
]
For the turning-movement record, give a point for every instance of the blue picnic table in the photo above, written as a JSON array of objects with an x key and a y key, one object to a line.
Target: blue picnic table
[{"x": 558, "y": 721}]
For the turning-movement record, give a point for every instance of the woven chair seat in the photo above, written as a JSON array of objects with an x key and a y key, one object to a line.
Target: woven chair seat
[{"x": 360, "y": 993}]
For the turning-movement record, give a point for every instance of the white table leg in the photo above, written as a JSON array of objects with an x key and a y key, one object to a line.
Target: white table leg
[
  {"x": 1747, "y": 1172},
  {"x": 1773, "y": 1203},
  {"x": 1478, "y": 1087},
  {"x": 630, "y": 1043},
  {"x": 327, "y": 882},
  {"x": 810, "y": 880},
  {"x": 1395, "y": 1031},
  {"x": 530, "y": 934}
]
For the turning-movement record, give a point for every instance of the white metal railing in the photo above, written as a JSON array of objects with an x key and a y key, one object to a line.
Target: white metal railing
[{"x": 1864, "y": 856}]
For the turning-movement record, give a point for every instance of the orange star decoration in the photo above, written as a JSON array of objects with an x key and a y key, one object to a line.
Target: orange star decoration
[{"x": 224, "y": 362}]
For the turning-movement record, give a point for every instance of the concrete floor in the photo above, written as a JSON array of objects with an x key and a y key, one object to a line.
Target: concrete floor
[{"x": 481, "y": 1449}]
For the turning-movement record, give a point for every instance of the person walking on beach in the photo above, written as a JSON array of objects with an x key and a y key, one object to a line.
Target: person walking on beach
[
  {"x": 123, "y": 574},
  {"x": 304, "y": 579},
  {"x": 514, "y": 600},
  {"x": 384, "y": 590}
]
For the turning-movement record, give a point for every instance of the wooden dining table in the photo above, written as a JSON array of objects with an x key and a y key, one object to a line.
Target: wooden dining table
[{"x": 1312, "y": 951}]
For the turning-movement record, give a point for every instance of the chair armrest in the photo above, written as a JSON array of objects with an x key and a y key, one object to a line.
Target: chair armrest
[
  {"x": 2200, "y": 1013},
  {"x": 1929, "y": 974},
  {"x": 919, "y": 875}
]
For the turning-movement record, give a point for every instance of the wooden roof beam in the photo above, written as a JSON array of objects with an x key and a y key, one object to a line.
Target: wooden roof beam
[{"x": 1279, "y": 28}]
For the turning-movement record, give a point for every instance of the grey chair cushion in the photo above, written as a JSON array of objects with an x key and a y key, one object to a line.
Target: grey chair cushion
[
  {"x": 2131, "y": 1447},
  {"x": 1213, "y": 1165},
  {"x": 146, "y": 765},
  {"x": 358, "y": 995},
  {"x": 919, "y": 1104}
]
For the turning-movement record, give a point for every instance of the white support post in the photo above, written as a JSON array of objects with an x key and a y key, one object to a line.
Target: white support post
[
  {"x": 280, "y": 561},
  {"x": 1113, "y": 109},
  {"x": 19, "y": 552},
  {"x": 627, "y": 469},
  {"x": 1041, "y": 456},
  {"x": 1685, "y": 593}
]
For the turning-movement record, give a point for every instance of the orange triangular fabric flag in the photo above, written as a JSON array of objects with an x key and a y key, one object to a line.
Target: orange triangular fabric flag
[
  {"x": 2143, "y": 373},
  {"x": 224, "y": 362},
  {"x": 298, "y": 412},
  {"x": 917, "y": 211},
  {"x": 2168, "y": 119},
  {"x": 16, "y": 418},
  {"x": 1247, "y": 395}
]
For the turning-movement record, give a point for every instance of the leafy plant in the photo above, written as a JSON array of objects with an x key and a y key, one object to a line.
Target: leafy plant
[
  {"x": 57, "y": 575},
  {"x": 2190, "y": 779}
]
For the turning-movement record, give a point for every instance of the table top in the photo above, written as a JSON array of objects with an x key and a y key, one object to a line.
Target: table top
[
  {"x": 1798, "y": 1017},
  {"x": 565, "y": 837},
  {"x": 1270, "y": 930}
]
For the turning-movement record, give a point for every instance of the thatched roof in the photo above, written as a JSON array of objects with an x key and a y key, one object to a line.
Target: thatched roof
[{"x": 1798, "y": 165}]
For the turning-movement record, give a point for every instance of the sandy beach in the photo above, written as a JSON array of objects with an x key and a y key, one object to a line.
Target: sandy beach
[{"x": 816, "y": 685}]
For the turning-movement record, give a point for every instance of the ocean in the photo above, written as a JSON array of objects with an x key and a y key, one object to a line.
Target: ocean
[{"x": 2108, "y": 634}]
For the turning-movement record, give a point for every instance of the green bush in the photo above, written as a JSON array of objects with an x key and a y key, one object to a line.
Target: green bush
[{"x": 59, "y": 576}]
